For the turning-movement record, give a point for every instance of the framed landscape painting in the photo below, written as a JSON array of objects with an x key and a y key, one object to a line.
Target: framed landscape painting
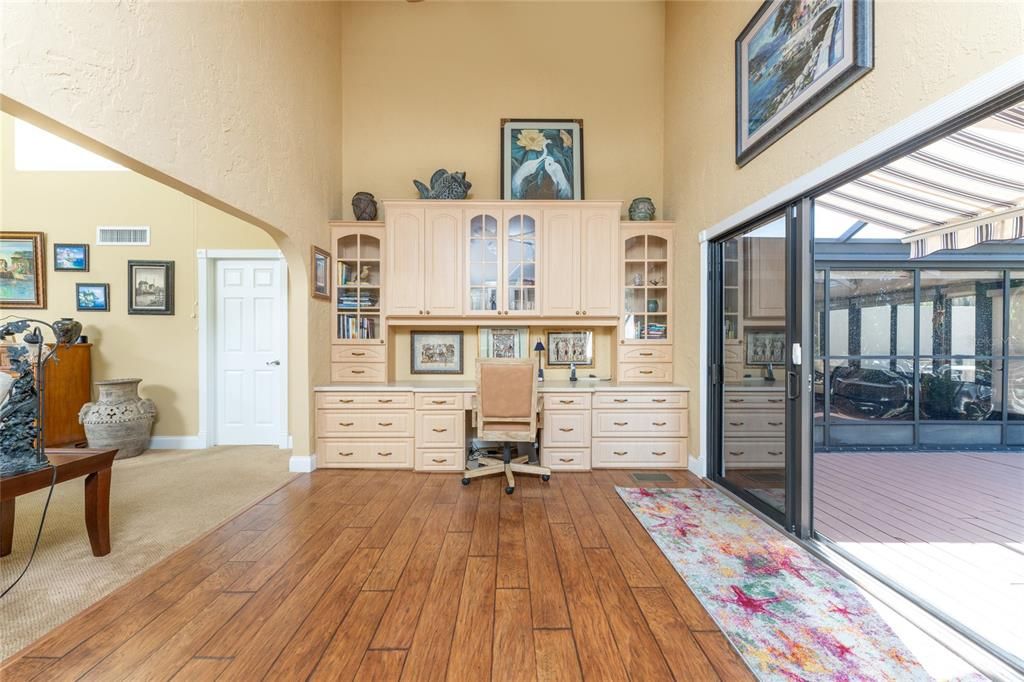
[
  {"x": 92, "y": 297},
  {"x": 71, "y": 257},
  {"x": 541, "y": 159},
  {"x": 791, "y": 59},
  {"x": 22, "y": 270},
  {"x": 150, "y": 287},
  {"x": 321, "y": 273}
]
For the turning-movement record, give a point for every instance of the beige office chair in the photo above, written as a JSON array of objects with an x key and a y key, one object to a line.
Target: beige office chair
[{"x": 505, "y": 410}]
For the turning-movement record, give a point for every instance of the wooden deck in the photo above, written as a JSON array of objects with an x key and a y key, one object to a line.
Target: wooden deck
[
  {"x": 949, "y": 527},
  {"x": 380, "y": 575}
]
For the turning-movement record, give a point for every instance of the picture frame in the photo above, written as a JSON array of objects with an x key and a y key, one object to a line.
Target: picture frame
[
  {"x": 435, "y": 352},
  {"x": 504, "y": 342},
  {"x": 92, "y": 297},
  {"x": 782, "y": 74},
  {"x": 764, "y": 346},
  {"x": 565, "y": 347},
  {"x": 22, "y": 269},
  {"x": 542, "y": 158},
  {"x": 71, "y": 258},
  {"x": 150, "y": 287},
  {"x": 320, "y": 273}
]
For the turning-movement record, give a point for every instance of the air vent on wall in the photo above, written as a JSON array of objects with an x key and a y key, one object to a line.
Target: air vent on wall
[{"x": 122, "y": 235}]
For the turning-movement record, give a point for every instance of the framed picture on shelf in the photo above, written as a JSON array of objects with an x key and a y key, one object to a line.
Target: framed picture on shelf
[
  {"x": 150, "y": 287},
  {"x": 71, "y": 257},
  {"x": 92, "y": 297},
  {"x": 764, "y": 346},
  {"x": 791, "y": 59},
  {"x": 435, "y": 352},
  {"x": 503, "y": 342},
  {"x": 541, "y": 158},
  {"x": 22, "y": 270},
  {"x": 320, "y": 273},
  {"x": 569, "y": 347}
]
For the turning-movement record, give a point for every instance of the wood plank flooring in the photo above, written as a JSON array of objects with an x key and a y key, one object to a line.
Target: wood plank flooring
[{"x": 395, "y": 575}]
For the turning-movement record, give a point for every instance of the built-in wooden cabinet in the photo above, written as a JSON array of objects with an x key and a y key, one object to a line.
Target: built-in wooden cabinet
[
  {"x": 580, "y": 264},
  {"x": 502, "y": 261},
  {"x": 358, "y": 350},
  {"x": 646, "y": 333},
  {"x": 405, "y": 248},
  {"x": 764, "y": 295},
  {"x": 442, "y": 260}
]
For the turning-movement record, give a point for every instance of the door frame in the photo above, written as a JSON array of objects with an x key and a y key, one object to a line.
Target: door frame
[{"x": 206, "y": 263}]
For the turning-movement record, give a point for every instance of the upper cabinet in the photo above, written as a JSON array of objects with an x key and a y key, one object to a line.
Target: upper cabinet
[
  {"x": 647, "y": 283},
  {"x": 358, "y": 282},
  {"x": 501, "y": 264},
  {"x": 764, "y": 297},
  {"x": 424, "y": 259},
  {"x": 405, "y": 251},
  {"x": 580, "y": 262}
]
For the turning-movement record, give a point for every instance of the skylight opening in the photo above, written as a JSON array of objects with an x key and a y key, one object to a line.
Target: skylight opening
[{"x": 38, "y": 150}]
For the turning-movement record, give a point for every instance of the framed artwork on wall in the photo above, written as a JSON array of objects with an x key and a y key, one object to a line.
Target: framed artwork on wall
[
  {"x": 321, "y": 274},
  {"x": 569, "y": 347},
  {"x": 435, "y": 352},
  {"x": 791, "y": 59},
  {"x": 22, "y": 270},
  {"x": 150, "y": 287},
  {"x": 503, "y": 342},
  {"x": 541, "y": 159},
  {"x": 765, "y": 346},
  {"x": 92, "y": 297},
  {"x": 71, "y": 257}
]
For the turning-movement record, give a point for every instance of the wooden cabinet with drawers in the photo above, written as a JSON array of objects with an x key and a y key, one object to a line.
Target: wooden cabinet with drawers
[
  {"x": 565, "y": 438},
  {"x": 365, "y": 429},
  {"x": 440, "y": 432},
  {"x": 639, "y": 429},
  {"x": 754, "y": 422}
]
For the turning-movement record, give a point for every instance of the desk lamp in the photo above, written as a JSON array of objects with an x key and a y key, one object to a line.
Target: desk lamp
[{"x": 539, "y": 347}]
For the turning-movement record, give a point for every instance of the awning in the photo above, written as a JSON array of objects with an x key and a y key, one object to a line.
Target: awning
[{"x": 964, "y": 189}]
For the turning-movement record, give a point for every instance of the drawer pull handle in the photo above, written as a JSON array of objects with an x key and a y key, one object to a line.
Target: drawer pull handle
[
  {"x": 735, "y": 453},
  {"x": 385, "y": 423},
  {"x": 735, "y": 400},
  {"x": 775, "y": 423},
  {"x": 383, "y": 400},
  {"x": 622, "y": 400},
  {"x": 566, "y": 460},
  {"x": 567, "y": 402},
  {"x": 775, "y": 400},
  {"x": 735, "y": 423},
  {"x": 346, "y": 400},
  {"x": 621, "y": 453},
  {"x": 359, "y": 371},
  {"x": 620, "y": 423},
  {"x": 345, "y": 423},
  {"x": 346, "y": 454},
  {"x": 658, "y": 454},
  {"x": 566, "y": 429},
  {"x": 438, "y": 460},
  {"x": 384, "y": 454},
  {"x": 647, "y": 371},
  {"x": 646, "y": 355},
  {"x": 439, "y": 430},
  {"x": 658, "y": 400},
  {"x": 438, "y": 402},
  {"x": 658, "y": 423},
  {"x": 775, "y": 454},
  {"x": 358, "y": 353}
]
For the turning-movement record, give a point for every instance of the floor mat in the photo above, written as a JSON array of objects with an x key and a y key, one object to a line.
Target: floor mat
[{"x": 789, "y": 615}]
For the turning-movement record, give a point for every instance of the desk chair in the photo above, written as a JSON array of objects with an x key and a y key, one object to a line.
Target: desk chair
[{"x": 505, "y": 410}]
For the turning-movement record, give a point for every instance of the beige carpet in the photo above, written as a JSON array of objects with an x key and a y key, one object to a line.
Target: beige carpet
[{"x": 159, "y": 502}]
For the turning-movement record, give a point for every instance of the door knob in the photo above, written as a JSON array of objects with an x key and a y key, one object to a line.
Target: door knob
[{"x": 273, "y": 363}]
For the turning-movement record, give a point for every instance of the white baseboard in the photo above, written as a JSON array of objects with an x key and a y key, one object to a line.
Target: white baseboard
[
  {"x": 177, "y": 443},
  {"x": 302, "y": 464},
  {"x": 286, "y": 442}
]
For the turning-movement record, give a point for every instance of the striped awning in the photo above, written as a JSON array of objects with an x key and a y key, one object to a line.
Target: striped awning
[{"x": 964, "y": 189}]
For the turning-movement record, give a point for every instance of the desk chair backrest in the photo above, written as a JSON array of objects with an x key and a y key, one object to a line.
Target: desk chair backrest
[{"x": 506, "y": 400}]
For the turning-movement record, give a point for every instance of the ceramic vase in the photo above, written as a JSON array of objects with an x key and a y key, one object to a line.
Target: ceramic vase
[
  {"x": 652, "y": 305},
  {"x": 364, "y": 206},
  {"x": 641, "y": 208},
  {"x": 120, "y": 419}
]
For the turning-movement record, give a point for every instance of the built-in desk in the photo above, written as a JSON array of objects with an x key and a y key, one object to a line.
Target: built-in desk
[{"x": 422, "y": 425}]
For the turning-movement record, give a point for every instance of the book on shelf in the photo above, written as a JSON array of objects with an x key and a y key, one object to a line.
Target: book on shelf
[{"x": 356, "y": 327}]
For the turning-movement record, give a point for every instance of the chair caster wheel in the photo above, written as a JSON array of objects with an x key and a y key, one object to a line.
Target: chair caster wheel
[
  {"x": 545, "y": 477},
  {"x": 510, "y": 490},
  {"x": 465, "y": 481}
]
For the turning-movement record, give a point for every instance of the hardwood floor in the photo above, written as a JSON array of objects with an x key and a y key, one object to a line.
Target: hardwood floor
[{"x": 387, "y": 575}]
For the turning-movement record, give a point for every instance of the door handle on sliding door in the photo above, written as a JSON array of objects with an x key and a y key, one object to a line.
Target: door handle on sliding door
[{"x": 792, "y": 385}]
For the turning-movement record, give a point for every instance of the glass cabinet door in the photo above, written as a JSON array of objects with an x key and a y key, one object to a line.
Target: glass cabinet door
[
  {"x": 484, "y": 263},
  {"x": 646, "y": 295},
  {"x": 358, "y": 288},
  {"x": 520, "y": 264}
]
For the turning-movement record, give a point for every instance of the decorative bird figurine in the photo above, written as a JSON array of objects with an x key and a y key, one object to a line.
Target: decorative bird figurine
[
  {"x": 562, "y": 187},
  {"x": 526, "y": 170}
]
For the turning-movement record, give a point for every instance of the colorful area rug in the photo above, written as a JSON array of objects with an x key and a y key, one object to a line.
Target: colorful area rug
[{"x": 789, "y": 615}]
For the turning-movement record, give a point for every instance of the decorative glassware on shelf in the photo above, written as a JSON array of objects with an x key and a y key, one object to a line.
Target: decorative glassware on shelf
[{"x": 646, "y": 294}]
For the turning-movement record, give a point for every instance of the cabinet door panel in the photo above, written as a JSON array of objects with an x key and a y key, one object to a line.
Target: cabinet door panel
[
  {"x": 522, "y": 251},
  {"x": 764, "y": 296},
  {"x": 561, "y": 266},
  {"x": 483, "y": 255},
  {"x": 405, "y": 262},
  {"x": 599, "y": 263},
  {"x": 442, "y": 262}
]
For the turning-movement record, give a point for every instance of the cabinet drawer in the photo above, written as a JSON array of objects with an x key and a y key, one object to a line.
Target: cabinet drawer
[
  {"x": 645, "y": 353},
  {"x": 566, "y": 401},
  {"x": 440, "y": 460},
  {"x": 568, "y": 459},
  {"x": 755, "y": 399},
  {"x": 566, "y": 428},
  {"x": 386, "y": 401},
  {"x": 646, "y": 371},
  {"x": 754, "y": 453},
  {"x": 655, "y": 424},
  {"x": 439, "y": 401},
  {"x": 359, "y": 353},
  {"x": 754, "y": 422},
  {"x": 385, "y": 453},
  {"x": 646, "y": 453},
  {"x": 364, "y": 423},
  {"x": 624, "y": 401},
  {"x": 436, "y": 429},
  {"x": 359, "y": 372}
]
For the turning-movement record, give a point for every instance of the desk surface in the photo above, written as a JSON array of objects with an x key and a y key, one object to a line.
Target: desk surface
[{"x": 461, "y": 386}]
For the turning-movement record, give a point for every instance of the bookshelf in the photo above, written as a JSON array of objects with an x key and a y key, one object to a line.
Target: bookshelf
[{"x": 358, "y": 284}]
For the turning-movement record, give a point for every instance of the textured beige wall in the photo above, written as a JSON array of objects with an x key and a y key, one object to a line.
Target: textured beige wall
[
  {"x": 237, "y": 103},
  {"x": 67, "y": 207},
  {"x": 427, "y": 84},
  {"x": 923, "y": 51}
]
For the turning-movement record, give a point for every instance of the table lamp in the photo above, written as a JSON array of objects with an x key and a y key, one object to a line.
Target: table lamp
[{"x": 539, "y": 347}]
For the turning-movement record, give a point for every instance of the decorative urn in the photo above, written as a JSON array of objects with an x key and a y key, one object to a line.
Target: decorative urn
[
  {"x": 120, "y": 419},
  {"x": 641, "y": 208},
  {"x": 364, "y": 206}
]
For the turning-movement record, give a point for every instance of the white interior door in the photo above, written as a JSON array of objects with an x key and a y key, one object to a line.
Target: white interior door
[{"x": 249, "y": 355}]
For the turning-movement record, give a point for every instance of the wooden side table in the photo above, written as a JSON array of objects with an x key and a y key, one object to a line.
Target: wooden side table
[{"x": 71, "y": 463}]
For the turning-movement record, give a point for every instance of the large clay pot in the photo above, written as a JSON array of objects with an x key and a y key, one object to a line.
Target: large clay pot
[{"x": 120, "y": 419}]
